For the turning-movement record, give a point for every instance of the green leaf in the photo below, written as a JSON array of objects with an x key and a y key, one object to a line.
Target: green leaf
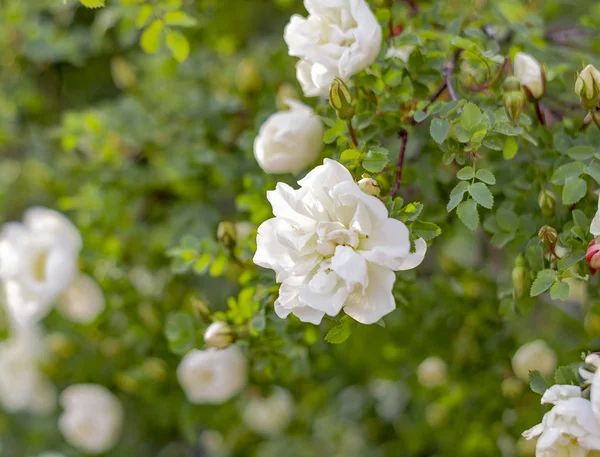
[
  {"x": 482, "y": 195},
  {"x": 593, "y": 170},
  {"x": 507, "y": 220},
  {"x": 567, "y": 171},
  {"x": 565, "y": 375},
  {"x": 580, "y": 218},
  {"x": 341, "y": 332},
  {"x": 580, "y": 152},
  {"x": 538, "y": 383},
  {"x": 560, "y": 291},
  {"x": 511, "y": 146},
  {"x": 457, "y": 195},
  {"x": 542, "y": 283},
  {"x": 465, "y": 173},
  {"x": 93, "y": 3},
  {"x": 143, "y": 15},
  {"x": 467, "y": 213},
  {"x": 426, "y": 230},
  {"x": 420, "y": 116},
  {"x": 179, "y": 19},
  {"x": 486, "y": 176},
  {"x": 151, "y": 38},
  {"x": 470, "y": 116},
  {"x": 179, "y": 45},
  {"x": 180, "y": 332},
  {"x": 375, "y": 161},
  {"x": 349, "y": 155},
  {"x": 439, "y": 130},
  {"x": 574, "y": 190}
]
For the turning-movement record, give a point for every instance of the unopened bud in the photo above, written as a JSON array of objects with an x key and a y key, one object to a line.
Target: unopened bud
[
  {"x": 248, "y": 77},
  {"x": 520, "y": 278},
  {"x": 369, "y": 186},
  {"x": 587, "y": 86},
  {"x": 548, "y": 235},
  {"x": 218, "y": 335},
  {"x": 547, "y": 202},
  {"x": 226, "y": 234},
  {"x": 514, "y": 98},
  {"x": 284, "y": 93},
  {"x": 340, "y": 99},
  {"x": 592, "y": 256}
]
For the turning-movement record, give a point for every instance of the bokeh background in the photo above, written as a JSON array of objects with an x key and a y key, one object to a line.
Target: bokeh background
[{"x": 147, "y": 148}]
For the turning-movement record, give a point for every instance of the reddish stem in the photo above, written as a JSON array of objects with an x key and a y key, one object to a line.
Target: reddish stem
[
  {"x": 352, "y": 133},
  {"x": 403, "y": 134},
  {"x": 539, "y": 113}
]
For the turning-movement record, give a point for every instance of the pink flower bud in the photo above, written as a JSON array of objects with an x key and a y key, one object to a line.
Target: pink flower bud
[{"x": 592, "y": 256}]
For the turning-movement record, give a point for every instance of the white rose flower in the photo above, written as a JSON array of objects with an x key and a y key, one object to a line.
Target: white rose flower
[
  {"x": 535, "y": 355},
  {"x": 214, "y": 375},
  {"x": 587, "y": 84},
  {"x": 82, "y": 301},
  {"x": 529, "y": 73},
  {"x": 23, "y": 387},
  {"x": 432, "y": 372},
  {"x": 570, "y": 428},
  {"x": 595, "y": 225},
  {"x": 338, "y": 38},
  {"x": 92, "y": 419},
  {"x": 401, "y": 52},
  {"x": 269, "y": 416},
  {"x": 289, "y": 141},
  {"x": 38, "y": 261},
  {"x": 332, "y": 246}
]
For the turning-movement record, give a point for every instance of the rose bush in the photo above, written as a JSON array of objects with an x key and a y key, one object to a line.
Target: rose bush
[{"x": 329, "y": 227}]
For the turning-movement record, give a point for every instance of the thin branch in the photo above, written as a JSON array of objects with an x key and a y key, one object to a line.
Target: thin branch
[
  {"x": 489, "y": 82},
  {"x": 414, "y": 9},
  {"x": 352, "y": 133},
  {"x": 449, "y": 71},
  {"x": 539, "y": 113},
  {"x": 403, "y": 134}
]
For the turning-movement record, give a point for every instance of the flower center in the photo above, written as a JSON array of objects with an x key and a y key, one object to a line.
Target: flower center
[
  {"x": 205, "y": 376},
  {"x": 334, "y": 234},
  {"x": 39, "y": 266}
]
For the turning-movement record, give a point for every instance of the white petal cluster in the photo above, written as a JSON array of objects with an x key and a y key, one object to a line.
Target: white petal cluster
[
  {"x": 92, "y": 420},
  {"x": 535, "y": 355},
  {"x": 401, "y": 52},
  {"x": 332, "y": 246},
  {"x": 529, "y": 73},
  {"x": 270, "y": 415},
  {"x": 570, "y": 428},
  {"x": 23, "y": 387},
  {"x": 289, "y": 141},
  {"x": 38, "y": 263},
  {"x": 213, "y": 376},
  {"x": 338, "y": 38}
]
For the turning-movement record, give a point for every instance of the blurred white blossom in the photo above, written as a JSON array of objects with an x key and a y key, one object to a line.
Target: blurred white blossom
[
  {"x": 212, "y": 375},
  {"x": 535, "y": 355},
  {"x": 269, "y": 415},
  {"x": 401, "y": 52},
  {"x": 23, "y": 387},
  {"x": 38, "y": 262},
  {"x": 289, "y": 141},
  {"x": 432, "y": 372},
  {"x": 338, "y": 38},
  {"x": 332, "y": 246},
  {"x": 83, "y": 300},
  {"x": 92, "y": 420}
]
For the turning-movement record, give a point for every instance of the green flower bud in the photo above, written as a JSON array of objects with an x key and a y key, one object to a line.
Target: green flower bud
[
  {"x": 520, "y": 277},
  {"x": 340, "y": 99},
  {"x": 226, "y": 234},
  {"x": 514, "y": 98},
  {"x": 548, "y": 235},
  {"x": 248, "y": 77},
  {"x": 369, "y": 186},
  {"x": 284, "y": 93},
  {"x": 218, "y": 335},
  {"x": 547, "y": 202},
  {"x": 587, "y": 86}
]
